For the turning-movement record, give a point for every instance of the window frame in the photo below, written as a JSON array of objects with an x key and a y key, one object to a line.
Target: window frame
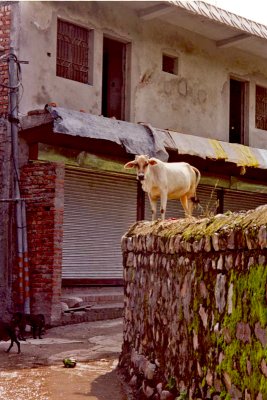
[
  {"x": 261, "y": 108},
  {"x": 74, "y": 57},
  {"x": 244, "y": 109}
]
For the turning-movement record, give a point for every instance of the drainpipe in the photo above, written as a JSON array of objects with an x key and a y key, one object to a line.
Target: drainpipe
[{"x": 20, "y": 205}]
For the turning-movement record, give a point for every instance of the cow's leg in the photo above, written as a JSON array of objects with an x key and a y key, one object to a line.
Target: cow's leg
[
  {"x": 163, "y": 204},
  {"x": 185, "y": 205},
  {"x": 153, "y": 205},
  {"x": 190, "y": 205}
]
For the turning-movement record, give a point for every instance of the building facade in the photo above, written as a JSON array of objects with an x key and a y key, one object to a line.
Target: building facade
[
  {"x": 184, "y": 81},
  {"x": 143, "y": 65}
]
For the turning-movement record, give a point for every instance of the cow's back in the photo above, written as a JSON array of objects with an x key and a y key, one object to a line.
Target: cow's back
[
  {"x": 177, "y": 178},
  {"x": 180, "y": 178}
]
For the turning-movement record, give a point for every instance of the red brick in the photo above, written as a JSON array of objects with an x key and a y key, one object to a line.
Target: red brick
[{"x": 45, "y": 233}]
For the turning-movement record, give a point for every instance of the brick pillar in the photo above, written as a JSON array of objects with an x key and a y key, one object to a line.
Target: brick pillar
[{"x": 43, "y": 185}]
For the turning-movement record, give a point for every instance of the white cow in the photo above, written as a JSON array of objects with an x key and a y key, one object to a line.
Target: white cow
[{"x": 176, "y": 180}]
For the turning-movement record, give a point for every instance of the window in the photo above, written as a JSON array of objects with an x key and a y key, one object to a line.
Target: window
[
  {"x": 261, "y": 108},
  {"x": 170, "y": 64},
  {"x": 73, "y": 52}
]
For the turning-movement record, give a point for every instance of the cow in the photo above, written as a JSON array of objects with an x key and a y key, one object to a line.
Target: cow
[{"x": 175, "y": 180}]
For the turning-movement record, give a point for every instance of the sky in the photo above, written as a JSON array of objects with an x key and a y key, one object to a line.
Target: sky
[{"x": 255, "y": 10}]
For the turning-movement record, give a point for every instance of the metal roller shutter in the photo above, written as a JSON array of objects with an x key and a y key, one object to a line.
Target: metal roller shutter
[
  {"x": 98, "y": 210},
  {"x": 207, "y": 203},
  {"x": 241, "y": 200}
]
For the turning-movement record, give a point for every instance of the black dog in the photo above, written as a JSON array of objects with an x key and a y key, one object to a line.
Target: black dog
[
  {"x": 9, "y": 331},
  {"x": 36, "y": 321}
]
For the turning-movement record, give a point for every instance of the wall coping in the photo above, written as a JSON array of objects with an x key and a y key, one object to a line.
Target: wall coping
[{"x": 243, "y": 230}]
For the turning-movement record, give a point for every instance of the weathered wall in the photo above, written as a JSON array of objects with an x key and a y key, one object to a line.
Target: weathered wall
[
  {"x": 42, "y": 184},
  {"x": 195, "y": 321},
  {"x": 196, "y": 101}
]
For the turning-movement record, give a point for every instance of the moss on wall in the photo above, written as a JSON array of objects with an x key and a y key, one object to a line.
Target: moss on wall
[{"x": 242, "y": 358}]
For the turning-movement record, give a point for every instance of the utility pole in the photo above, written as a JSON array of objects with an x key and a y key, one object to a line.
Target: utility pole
[
  {"x": 22, "y": 246},
  {"x": 13, "y": 116}
]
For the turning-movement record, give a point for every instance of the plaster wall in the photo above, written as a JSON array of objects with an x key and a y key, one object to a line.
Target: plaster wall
[{"x": 196, "y": 101}]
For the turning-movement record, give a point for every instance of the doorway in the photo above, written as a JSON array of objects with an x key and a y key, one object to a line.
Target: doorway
[
  {"x": 113, "y": 84},
  {"x": 238, "y": 115}
]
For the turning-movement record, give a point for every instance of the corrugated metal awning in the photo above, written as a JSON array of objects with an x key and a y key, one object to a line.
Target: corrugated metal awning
[
  {"x": 135, "y": 138},
  {"x": 212, "y": 149},
  {"x": 144, "y": 139}
]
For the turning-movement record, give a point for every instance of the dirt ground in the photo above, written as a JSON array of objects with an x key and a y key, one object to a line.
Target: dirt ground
[{"x": 38, "y": 372}]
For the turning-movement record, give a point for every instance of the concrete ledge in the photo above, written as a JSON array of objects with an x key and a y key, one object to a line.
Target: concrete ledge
[{"x": 96, "y": 313}]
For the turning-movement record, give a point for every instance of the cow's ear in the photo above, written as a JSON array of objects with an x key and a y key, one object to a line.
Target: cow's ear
[
  {"x": 130, "y": 164},
  {"x": 152, "y": 161}
]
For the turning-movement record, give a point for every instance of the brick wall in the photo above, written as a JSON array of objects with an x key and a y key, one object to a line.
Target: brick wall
[
  {"x": 43, "y": 185},
  {"x": 5, "y": 26}
]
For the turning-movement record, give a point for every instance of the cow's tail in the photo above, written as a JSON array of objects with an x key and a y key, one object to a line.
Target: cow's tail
[{"x": 195, "y": 199}]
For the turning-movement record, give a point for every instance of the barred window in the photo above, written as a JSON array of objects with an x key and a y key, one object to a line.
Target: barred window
[
  {"x": 73, "y": 52},
  {"x": 261, "y": 108}
]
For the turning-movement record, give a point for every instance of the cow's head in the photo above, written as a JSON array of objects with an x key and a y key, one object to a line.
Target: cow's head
[{"x": 141, "y": 163}]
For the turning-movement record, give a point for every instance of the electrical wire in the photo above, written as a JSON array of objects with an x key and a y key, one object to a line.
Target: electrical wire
[{"x": 6, "y": 58}]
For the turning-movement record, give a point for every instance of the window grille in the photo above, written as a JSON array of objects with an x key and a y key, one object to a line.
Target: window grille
[
  {"x": 261, "y": 108},
  {"x": 72, "y": 52}
]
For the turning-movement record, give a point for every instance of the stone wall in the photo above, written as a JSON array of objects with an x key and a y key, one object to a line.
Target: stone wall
[
  {"x": 195, "y": 307},
  {"x": 42, "y": 184}
]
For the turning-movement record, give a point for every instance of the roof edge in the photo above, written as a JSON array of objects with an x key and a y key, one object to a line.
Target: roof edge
[{"x": 223, "y": 17}]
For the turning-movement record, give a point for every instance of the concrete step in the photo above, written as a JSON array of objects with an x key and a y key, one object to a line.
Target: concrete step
[
  {"x": 101, "y": 297},
  {"x": 80, "y": 290},
  {"x": 102, "y": 302},
  {"x": 92, "y": 296},
  {"x": 95, "y": 313}
]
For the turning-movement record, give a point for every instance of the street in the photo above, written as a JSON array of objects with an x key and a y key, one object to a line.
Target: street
[{"x": 38, "y": 372}]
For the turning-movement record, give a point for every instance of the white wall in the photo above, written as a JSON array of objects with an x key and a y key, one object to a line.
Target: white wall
[{"x": 196, "y": 101}]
